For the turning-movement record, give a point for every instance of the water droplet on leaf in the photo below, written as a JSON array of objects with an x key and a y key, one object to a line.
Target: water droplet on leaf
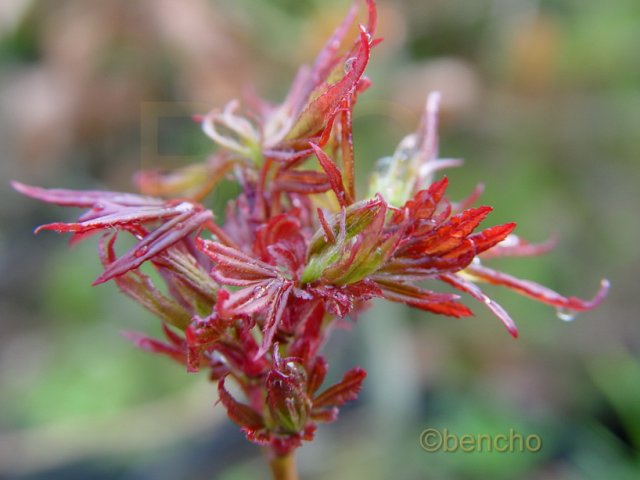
[
  {"x": 510, "y": 241},
  {"x": 566, "y": 314},
  {"x": 382, "y": 166},
  {"x": 259, "y": 291},
  {"x": 348, "y": 64}
]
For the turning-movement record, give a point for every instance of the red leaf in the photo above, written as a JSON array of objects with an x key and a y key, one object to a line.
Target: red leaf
[
  {"x": 472, "y": 289},
  {"x": 240, "y": 413},
  {"x": 348, "y": 163},
  {"x": 279, "y": 241},
  {"x": 341, "y": 300},
  {"x": 326, "y": 59},
  {"x": 301, "y": 181},
  {"x": 234, "y": 267},
  {"x": 121, "y": 217},
  {"x": 514, "y": 246},
  {"x": 84, "y": 198},
  {"x": 407, "y": 268},
  {"x": 309, "y": 333},
  {"x": 316, "y": 375},
  {"x": 372, "y": 22},
  {"x": 326, "y": 415},
  {"x": 317, "y": 113},
  {"x": 249, "y": 300},
  {"x": 450, "y": 235},
  {"x": 537, "y": 291},
  {"x": 344, "y": 391},
  {"x": 140, "y": 288},
  {"x": 278, "y": 304},
  {"x": 201, "y": 334},
  {"x": 160, "y": 239},
  {"x": 156, "y": 346},
  {"x": 334, "y": 176},
  {"x": 424, "y": 203},
  {"x": 441, "y": 303},
  {"x": 329, "y": 236},
  {"x": 491, "y": 236}
]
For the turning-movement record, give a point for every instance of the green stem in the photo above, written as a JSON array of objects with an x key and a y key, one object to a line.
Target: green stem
[{"x": 283, "y": 467}]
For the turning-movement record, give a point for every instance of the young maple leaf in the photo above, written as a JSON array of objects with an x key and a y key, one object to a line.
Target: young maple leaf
[
  {"x": 126, "y": 212},
  {"x": 255, "y": 302},
  {"x": 415, "y": 235}
]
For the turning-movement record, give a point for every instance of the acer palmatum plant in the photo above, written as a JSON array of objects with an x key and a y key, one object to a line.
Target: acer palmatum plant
[{"x": 253, "y": 299}]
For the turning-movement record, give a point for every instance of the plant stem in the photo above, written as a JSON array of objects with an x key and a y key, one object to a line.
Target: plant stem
[{"x": 283, "y": 467}]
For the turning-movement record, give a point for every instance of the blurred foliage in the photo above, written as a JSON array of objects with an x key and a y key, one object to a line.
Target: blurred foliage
[{"x": 542, "y": 100}]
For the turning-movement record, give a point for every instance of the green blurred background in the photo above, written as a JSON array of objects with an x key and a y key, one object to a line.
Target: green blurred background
[{"x": 541, "y": 99}]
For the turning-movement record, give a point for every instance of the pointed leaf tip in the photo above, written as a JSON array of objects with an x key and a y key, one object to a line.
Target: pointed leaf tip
[
  {"x": 333, "y": 174},
  {"x": 600, "y": 295},
  {"x": 372, "y": 11},
  {"x": 344, "y": 391},
  {"x": 537, "y": 291}
]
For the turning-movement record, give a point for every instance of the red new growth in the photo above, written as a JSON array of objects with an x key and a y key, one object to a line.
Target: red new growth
[{"x": 252, "y": 300}]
